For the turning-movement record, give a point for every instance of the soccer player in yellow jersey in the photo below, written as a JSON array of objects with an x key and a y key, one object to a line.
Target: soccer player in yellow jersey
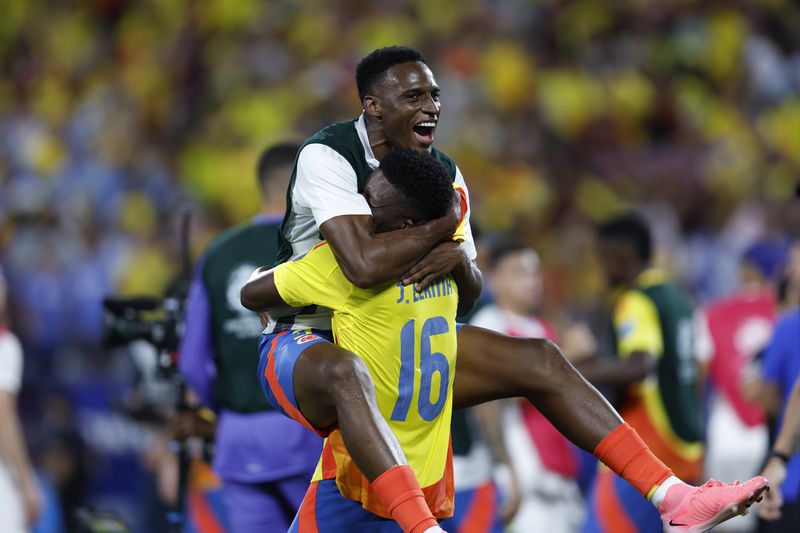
[
  {"x": 407, "y": 343},
  {"x": 401, "y": 107}
]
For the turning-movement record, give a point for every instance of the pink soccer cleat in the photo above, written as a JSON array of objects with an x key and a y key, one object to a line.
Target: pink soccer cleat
[{"x": 696, "y": 509}]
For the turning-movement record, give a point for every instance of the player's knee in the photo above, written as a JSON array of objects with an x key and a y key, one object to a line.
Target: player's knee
[
  {"x": 545, "y": 358},
  {"x": 349, "y": 375}
]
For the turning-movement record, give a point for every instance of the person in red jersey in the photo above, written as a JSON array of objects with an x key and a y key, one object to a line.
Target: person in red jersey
[{"x": 732, "y": 331}]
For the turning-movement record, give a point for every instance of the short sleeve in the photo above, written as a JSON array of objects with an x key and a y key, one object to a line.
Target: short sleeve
[
  {"x": 326, "y": 184},
  {"x": 637, "y": 326},
  {"x": 10, "y": 363},
  {"x": 315, "y": 279},
  {"x": 464, "y": 230}
]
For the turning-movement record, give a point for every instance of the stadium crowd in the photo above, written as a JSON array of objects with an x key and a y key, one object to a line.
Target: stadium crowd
[{"x": 115, "y": 114}]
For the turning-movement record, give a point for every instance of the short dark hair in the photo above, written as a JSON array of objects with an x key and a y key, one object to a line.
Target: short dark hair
[
  {"x": 276, "y": 156},
  {"x": 503, "y": 245},
  {"x": 421, "y": 179},
  {"x": 631, "y": 228},
  {"x": 372, "y": 68}
]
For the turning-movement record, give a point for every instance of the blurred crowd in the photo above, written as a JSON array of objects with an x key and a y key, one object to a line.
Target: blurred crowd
[{"x": 117, "y": 114}]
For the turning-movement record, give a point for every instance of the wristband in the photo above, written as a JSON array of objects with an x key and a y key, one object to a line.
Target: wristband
[{"x": 780, "y": 455}]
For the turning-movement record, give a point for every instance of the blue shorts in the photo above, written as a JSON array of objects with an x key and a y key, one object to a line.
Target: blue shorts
[
  {"x": 325, "y": 510},
  {"x": 477, "y": 510},
  {"x": 278, "y": 353}
]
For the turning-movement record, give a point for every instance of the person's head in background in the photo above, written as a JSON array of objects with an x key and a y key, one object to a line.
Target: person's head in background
[
  {"x": 514, "y": 277},
  {"x": 761, "y": 264},
  {"x": 274, "y": 171},
  {"x": 625, "y": 248}
]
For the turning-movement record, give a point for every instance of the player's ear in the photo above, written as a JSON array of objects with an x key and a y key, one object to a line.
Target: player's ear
[{"x": 372, "y": 106}]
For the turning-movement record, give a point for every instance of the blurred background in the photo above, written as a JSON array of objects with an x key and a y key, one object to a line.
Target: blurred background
[{"x": 117, "y": 114}]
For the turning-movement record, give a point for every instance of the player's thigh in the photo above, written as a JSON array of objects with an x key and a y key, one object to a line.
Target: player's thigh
[
  {"x": 291, "y": 384},
  {"x": 491, "y": 366},
  {"x": 321, "y": 375}
]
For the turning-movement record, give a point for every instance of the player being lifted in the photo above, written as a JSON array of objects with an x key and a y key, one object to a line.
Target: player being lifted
[
  {"x": 413, "y": 390},
  {"x": 401, "y": 110}
]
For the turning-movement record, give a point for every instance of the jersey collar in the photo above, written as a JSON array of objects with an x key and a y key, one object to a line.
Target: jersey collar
[
  {"x": 650, "y": 277},
  {"x": 361, "y": 129}
]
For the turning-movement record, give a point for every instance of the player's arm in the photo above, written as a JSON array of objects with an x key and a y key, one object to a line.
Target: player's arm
[
  {"x": 456, "y": 256},
  {"x": 260, "y": 293},
  {"x": 785, "y": 445},
  {"x": 615, "y": 372},
  {"x": 368, "y": 258},
  {"x": 315, "y": 279},
  {"x": 327, "y": 185},
  {"x": 638, "y": 331},
  {"x": 489, "y": 416}
]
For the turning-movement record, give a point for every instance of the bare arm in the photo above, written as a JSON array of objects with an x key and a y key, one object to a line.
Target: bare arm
[
  {"x": 13, "y": 453},
  {"x": 785, "y": 445},
  {"x": 786, "y": 442},
  {"x": 369, "y": 258},
  {"x": 260, "y": 293},
  {"x": 616, "y": 372},
  {"x": 490, "y": 420}
]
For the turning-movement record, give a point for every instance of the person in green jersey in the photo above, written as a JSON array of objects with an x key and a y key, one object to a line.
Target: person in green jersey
[{"x": 263, "y": 459}]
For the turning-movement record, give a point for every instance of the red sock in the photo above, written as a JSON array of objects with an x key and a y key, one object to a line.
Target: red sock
[
  {"x": 625, "y": 453},
  {"x": 398, "y": 490}
]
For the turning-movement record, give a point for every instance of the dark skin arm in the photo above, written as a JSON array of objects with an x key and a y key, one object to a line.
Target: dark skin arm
[
  {"x": 368, "y": 258},
  {"x": 616, "y": 372},
  {"x": 449, "y": 257},
  {"x": 260, "y": 293}
]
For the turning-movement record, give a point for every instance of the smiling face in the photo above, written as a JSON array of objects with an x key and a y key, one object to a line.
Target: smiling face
[
  {"x": 406, "y": 101},
  {"x": 390, "y": 210}
]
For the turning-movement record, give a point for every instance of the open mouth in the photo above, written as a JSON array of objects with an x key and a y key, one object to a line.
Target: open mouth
[{"x": 423, "y": 131}]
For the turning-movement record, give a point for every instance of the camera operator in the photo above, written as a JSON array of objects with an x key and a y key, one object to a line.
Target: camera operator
[{"x": 264, "y": 459}]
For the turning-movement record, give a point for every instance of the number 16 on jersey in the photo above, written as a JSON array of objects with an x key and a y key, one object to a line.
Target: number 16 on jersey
[{"x": 429, "y": 364}]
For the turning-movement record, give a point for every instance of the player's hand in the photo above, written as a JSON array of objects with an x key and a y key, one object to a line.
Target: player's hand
[
  {"x": 513, "y": 499},
  {"x": 578, "y": 342},
  {"x": 439, "y": 262},
  {"x": 770, "y": 507},
  {"x": 191, "y": 423}
]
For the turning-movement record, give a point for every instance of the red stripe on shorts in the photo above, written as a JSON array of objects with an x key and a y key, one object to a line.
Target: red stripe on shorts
[
  {"x": 272, "y": 378},
  {"x": 480, "y": 516},
  {"x": 610, "y": 510},
  {"x": 307, "y": 515}
]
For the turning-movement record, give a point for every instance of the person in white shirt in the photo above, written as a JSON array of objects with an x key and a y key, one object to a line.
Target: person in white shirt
[{"x": 19, "y": 493}]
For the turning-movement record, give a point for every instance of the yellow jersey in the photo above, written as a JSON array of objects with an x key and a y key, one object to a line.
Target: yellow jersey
[{"x": 408, "y": 342}]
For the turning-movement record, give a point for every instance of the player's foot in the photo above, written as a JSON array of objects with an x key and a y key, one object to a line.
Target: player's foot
[{"x": 697, "y": 509}]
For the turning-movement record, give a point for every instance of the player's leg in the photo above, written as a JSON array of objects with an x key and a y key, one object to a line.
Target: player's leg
[
  {"x": 492, "y": 366},
  {"x": 322, "y": 386}
]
